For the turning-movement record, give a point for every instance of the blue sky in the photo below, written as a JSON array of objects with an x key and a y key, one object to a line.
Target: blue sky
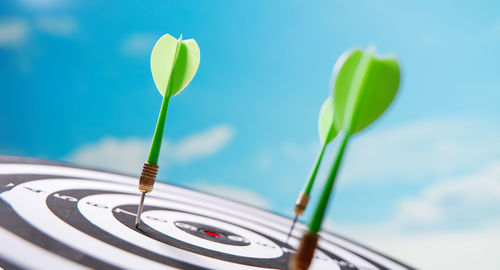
[{"x": 76, "y": 87}]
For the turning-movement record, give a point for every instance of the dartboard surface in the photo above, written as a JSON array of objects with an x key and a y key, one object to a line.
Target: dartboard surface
[{"x": 59, "y": 216}]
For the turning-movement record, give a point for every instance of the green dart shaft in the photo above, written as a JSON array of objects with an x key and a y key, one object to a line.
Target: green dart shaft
[
  {"x": 150, "y": 169},
  {"x": 317, "y": 219},
  {"x": 303, "y": 198},
  {"x": 312, "y": 176},
  {"x": 154, "y": 152}
]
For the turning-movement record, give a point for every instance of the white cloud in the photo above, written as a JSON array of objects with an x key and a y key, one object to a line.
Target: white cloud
[
  {"x": 264, "y": 160},
  {"x": 464, "y": 201},
  {"x": 123, "y": 155},
  {"x": 453, "y": 224},
  {"x": 233, "y": 193},
  {"x": 457, "y": 249},
  {"x": 63, "y": 26},
  {"x": 286, "y": 152},
  {"x": 127, "y": 155},
  {"x": 296, "y": 152},
  {"x": 201, "y": 144},
  {"x": 138, "y": 45},
  {"x": 14, "y": 32},
  {"x": 435, "y": 148}
]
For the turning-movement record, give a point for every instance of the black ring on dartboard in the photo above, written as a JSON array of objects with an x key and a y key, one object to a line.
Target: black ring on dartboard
[
  {"x": 61, "y": 207},
  {"x": 343, "y": 264},
  {"x": 15, "y": 224},
  {"x": 277, "y": 262},
  {"x": 74, "y": 218},
  {"x": 210, "y": 233}
]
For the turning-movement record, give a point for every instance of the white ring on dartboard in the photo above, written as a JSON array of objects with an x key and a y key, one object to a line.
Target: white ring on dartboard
[{"x": 113, "y": 226}]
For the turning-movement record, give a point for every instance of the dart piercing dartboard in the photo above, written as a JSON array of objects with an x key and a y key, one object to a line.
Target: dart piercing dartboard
[{"x": 58, "y": 216}]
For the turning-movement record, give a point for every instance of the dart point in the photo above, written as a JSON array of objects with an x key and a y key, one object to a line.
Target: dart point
[
  {"x": 139, "y": 210},
  {"x": 146, "y": 182},
  {"x": 291, "y": 228}
]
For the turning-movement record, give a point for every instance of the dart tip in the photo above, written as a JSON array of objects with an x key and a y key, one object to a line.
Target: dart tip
[
  {"x": 291, "y": 228},
  {"x": 303, "y": 258},
  {"x": 139, "y": 210}
]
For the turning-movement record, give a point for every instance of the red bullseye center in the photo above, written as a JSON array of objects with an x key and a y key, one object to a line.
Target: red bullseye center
[{"x": 212, "y": 234}]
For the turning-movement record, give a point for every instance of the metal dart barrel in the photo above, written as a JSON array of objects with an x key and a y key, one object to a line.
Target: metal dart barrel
[
  {"x": 146, "y": 182},
  {"x": 301, "y": 203}
]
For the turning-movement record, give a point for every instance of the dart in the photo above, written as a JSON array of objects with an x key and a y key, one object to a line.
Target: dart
[
  {"x": 327, "y": 133},
  {"x": 364, "y": 85},
  {"x": 174, "y": 63}
]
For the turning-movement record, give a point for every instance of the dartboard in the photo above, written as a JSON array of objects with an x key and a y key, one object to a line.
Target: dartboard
[{"x": 55, "y": 216}]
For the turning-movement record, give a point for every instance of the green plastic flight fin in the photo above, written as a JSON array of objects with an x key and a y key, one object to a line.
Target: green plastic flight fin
[
  {"x": 326, "y": 129},
  {"x": 364, "y": 86},
  {"x": 175, "y": 60}
]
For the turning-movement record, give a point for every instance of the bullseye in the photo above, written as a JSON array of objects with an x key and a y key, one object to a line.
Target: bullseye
[{"x": 212, "y": 234}]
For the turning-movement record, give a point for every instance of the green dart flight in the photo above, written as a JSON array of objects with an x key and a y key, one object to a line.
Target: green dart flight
[
  {"x": 364, "y": 85},
  {"x": 174, "y": 63},
  {"x": 327, "y": 133}
]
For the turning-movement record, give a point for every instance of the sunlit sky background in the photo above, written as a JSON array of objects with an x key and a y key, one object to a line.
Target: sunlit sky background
[{"x": 422, "y": 184}]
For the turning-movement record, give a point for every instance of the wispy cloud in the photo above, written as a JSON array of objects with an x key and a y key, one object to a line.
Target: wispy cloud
[
  {"x": 286, "y": 152},
  {"x": 431, "y": 148},
  {"x": 233, "y": 193},
  {"x": 128, "y": 154},
  {"x": 458, "y": 202},
  {"x": 138, "y": 44},
  {"x": 63, "y": 26},
  {"x": 44, "y": 4},
  {"x": 14, "y": 32},
  {"x": 123, "y": 155},
  {"x": 453, "y": 249},
  {"x": 264, "y": 160},
  {"x": 200, "y": 145}
]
